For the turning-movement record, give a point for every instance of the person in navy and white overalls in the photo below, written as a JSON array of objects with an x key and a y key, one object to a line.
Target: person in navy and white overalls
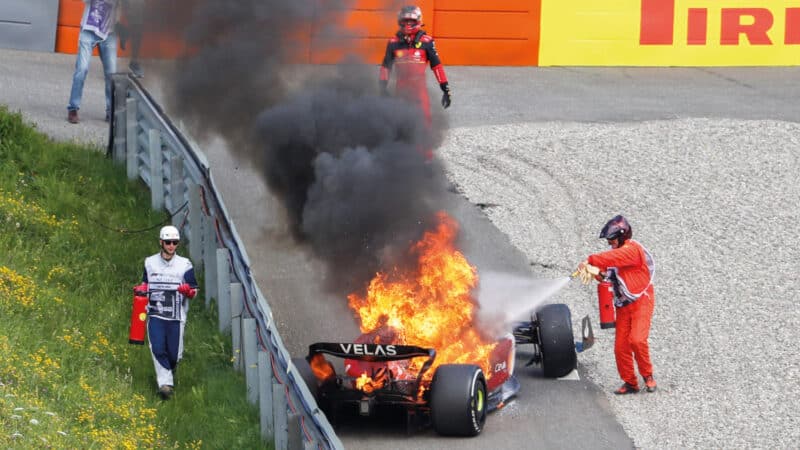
[{"x": 170, "y": 284}]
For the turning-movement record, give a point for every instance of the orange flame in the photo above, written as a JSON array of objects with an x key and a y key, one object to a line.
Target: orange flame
[
  {"x": 430, "y": 305},
  {"x": 321, "y": 367},
  {"x": 366, "y": 384}
]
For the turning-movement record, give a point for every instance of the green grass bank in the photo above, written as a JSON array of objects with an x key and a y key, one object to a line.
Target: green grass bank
[{"x": 68, "y": 377}]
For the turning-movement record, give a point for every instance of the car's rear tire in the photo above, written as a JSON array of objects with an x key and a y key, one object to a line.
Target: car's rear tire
[
  {"x": 556, "y": 341},
  {"x": 305, "y": 372},
  {"x": 458, "y": 400}
]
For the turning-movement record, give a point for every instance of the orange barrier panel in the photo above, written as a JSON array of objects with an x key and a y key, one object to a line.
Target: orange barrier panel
[
  {"x": 70, "y": 12},
  {"x": 467, "y": 32},
  {"x": 487, "y": 37},
  {"x": 69, "y": 22},
  {"x": 370, "y": 24},
  {"x": 498, "y": 33},
  {"x": 367, "y": 26},
  {"x": 474, "y": 25},
  {"x": 67, "y": 39}
]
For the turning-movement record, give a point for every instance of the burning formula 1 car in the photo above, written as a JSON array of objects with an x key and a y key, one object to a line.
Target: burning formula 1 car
[
  {"x": 453, "y": 398},
  {"x": 422, "y": 350}
]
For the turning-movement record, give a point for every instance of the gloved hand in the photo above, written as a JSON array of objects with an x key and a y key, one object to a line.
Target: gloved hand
[
  {"x": 140, "y": 289},
  {"x": 187, "y": 290},
  {"x": 384, "y": 87},
  {"x": 446, "y": 94},
  {"x": 586, "y": 272}
]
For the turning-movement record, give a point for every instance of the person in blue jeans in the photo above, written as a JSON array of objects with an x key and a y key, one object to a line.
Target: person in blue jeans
[{"x": 97, "y": 30}]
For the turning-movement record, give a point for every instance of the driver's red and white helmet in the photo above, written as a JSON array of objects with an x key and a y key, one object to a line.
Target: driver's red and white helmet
[{"x": 410, "y": 19}]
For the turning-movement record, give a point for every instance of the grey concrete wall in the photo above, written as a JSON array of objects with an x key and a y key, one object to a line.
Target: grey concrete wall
[{"x": 28, "y": 24}]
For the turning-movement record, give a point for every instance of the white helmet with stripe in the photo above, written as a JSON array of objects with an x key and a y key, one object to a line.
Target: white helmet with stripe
[{"x": 169, "y": 233}]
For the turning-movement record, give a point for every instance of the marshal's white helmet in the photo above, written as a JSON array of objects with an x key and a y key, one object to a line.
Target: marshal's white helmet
[{"x": 169, "y": 233}]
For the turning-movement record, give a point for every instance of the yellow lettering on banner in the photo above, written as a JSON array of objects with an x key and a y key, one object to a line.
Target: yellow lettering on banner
[{"x": 670, "y": 33}]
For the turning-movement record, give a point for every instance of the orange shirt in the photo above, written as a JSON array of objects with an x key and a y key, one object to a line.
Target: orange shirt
[{"x": 633, "y": 265}]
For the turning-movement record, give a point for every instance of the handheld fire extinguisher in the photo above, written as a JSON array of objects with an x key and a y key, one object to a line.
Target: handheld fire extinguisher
[
  {"x": 605, "y": 302},
  {"x": 138, "y": 315}
]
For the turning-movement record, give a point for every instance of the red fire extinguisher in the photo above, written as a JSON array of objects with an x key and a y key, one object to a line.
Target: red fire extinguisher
[
  {"x": 605, "y": 301},
  {"x": 139, "y": 315}
]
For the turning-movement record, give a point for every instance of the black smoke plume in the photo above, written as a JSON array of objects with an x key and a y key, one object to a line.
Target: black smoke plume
[{"x": 347, "y": 163}]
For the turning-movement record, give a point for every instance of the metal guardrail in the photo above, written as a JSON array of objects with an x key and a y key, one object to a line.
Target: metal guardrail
[{"x": 142, "y": 137}]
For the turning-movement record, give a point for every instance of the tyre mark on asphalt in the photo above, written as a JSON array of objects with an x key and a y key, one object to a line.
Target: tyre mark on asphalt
[
  {"x": 550, "y": 190},
  {"x": 533, "y": 185},
  {"x": 726, "y": 78},
  {"x": 565, "y": 188}
]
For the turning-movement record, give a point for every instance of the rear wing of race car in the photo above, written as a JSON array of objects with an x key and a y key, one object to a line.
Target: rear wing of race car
[
  {"x": 374, "y": 352},
  {"x": 370, "y": 352}
]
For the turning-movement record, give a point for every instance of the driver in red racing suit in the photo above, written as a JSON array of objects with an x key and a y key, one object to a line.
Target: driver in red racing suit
[{"x": 410, "y": 50}]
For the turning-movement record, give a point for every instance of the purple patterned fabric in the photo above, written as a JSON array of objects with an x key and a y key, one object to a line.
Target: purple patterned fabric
[{"x": 100, "y": 17}]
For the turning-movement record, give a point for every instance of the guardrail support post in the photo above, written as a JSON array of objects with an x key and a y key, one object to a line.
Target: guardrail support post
[
  {"x": 176, "y": 196},
  {"x": 294, "y": 432},
  {"x": 120, "y": 123},
  {"x": 249, "y": 338},
  {"x": 156, "y": 170},
  {"x": 265, "y": 395},
  {"x": 281, "y": 416},
  {"x": 237, "y": 307},
  {"x": 195, "y": 226},
  {"x": 210, "y": 257},
  {"x": 131, "y": 138},
  {"x": 223, "y": 290}
]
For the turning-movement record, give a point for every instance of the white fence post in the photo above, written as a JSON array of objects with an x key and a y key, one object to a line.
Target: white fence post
[
  {"x": 280, "y": 416},
  {"x": 210, "y": 257},
  {"x": 223, "y": 290},
  {"x": 131, "y": 138},
  {"x": 237, "y": 307},
  {"x": 176, "y": 187},
  {"x": 294, "y": 432},
  {"x": 195, "y": 225},
  {"x": 120, "y": 123},
  {"x": 249, "y": 338},
  {"x": 265, "y": 395},
  {"x": 156, "y": 170}
]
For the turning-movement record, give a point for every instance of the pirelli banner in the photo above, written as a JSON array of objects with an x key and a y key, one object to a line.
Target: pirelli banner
[{"x": 670, "y": 33}]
